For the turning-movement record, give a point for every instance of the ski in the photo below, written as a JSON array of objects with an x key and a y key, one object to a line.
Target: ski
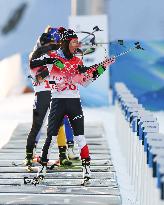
[
  {"x": 39, "y": 177},
  {"x": 18, "y": 164},
  {"x": 35, "y": 162},
  {"x": 75, "y": 160},
  {"x": 27, "y": 168},
  {"x": 56, "y": 167},
  {"x": 34, "y": 181},
  {"x": 86, "y": 181},
  {"x": 31, "y": 169}
]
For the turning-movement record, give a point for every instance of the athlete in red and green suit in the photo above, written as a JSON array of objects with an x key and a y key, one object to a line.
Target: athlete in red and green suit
[{"x": 66, "y": 72}]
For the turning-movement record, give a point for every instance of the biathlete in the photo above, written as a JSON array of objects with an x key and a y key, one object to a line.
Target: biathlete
[
  {"x": 66, "y": 71},
  {"x": 41, "y": 107}
]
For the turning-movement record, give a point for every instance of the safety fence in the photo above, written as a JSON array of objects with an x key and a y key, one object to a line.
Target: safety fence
[{"x": 142, "y": 146}]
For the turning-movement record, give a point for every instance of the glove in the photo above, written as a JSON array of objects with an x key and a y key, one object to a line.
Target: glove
[
  {"x": 82, "y": 69},
  {"x": 42, "y": 73}
]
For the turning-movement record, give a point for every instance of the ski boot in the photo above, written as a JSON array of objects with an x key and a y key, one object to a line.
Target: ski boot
[
  {"x": 39, "y": 177},
  {"x": 86, "y": 171},
  {"x": 29, "y": 161},
  {"x": 70, "y": 151},
  {"x": 42, "y": 170},
  {"x": 64, "y": 161}
]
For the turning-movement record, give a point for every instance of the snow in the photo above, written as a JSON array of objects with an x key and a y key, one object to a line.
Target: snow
[
  {"x": 107, "y": 117},
  {"x": 18, "y": 109},
  {"x": 14, "y": 110}
]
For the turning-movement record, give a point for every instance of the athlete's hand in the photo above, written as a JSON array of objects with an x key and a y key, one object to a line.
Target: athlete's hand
[{"x": 39, "y": 79}]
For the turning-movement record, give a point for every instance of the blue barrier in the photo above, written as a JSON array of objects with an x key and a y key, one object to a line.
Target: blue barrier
[{"x": 142, "y": 146}]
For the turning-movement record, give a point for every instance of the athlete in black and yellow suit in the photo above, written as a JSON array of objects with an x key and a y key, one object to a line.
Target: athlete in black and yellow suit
[{"x": 40, "y": 111}]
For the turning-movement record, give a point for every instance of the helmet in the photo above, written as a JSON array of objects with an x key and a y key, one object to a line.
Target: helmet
[
  {"x": 58, "y": 34},
  {"x": 54, "y": 34},
  {"x": 50, "y": 35},
  {"x": 68, "y": 35},
  {"x": 45, "y": 38},
  {"x": 71, "y": 34}
]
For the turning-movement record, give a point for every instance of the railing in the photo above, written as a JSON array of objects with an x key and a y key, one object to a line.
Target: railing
[{"x": 142, "y": 146}]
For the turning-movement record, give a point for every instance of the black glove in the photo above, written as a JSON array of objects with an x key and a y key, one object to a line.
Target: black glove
[
  {"x": 82, "y": 69},
  {"x": 42, "y": 72}
]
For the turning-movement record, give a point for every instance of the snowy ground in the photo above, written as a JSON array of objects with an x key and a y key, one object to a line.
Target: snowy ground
[{"x": 14, "y": 110}]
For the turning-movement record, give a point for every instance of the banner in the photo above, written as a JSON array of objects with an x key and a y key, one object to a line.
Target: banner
[
  {"x": 11, "y": 78},
  {"x": 142, "y": 72}
]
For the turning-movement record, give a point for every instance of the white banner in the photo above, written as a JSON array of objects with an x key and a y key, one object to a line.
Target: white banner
[{"x": 11, "y": 78}]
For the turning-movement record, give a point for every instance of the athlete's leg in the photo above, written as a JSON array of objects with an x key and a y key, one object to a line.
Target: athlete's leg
[
  {"x": 54, "y": 122},
  {"x": 61, "y": 140},
  {"x": 76, "y": 117},
  {"x": 70, "y": 139},
  {"x": 68, "y": 130},
  {"x": 40, "y": 110}
]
